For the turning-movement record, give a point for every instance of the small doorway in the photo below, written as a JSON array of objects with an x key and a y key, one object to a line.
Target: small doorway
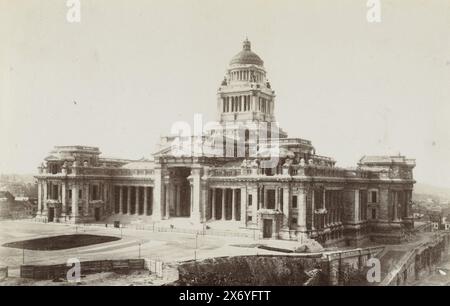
[
  {"x": 267, "y": 228},
  {"x": 97, "y": 214},
  {"x": 51, "y": 214}
]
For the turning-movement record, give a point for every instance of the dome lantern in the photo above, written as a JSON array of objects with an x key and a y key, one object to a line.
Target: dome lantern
[{"x": 246, "y": 56}]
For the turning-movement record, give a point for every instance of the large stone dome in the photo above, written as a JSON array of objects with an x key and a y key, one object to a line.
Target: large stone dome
[{"x": 246, "y": 56}]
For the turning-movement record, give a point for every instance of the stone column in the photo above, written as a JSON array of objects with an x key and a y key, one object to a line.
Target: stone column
[
  {"x": 233, "y": 205},
  {"x": 254, "y": 193},
  {"x": 243, "y": 206},
  {"x": 121, "y": 199},
  {"x": 178, "y": 200},
  {"x": 145, "y": 201},
  {"x": 106, "y": 201},
  {"x": 301, "y": 210},
  {"x": 313, "y": 208},
  {"x": 167, "y": 201},
  {"x": 128, "y": 200},
  {"x": 75, "y": 192},
  {"x": 136, "y": 201},
  {"x": 394, "y": 204},
  {"x": 86, "y": 200},
  {"x": 196, "y": 198},
  {"x": 39, "y": 197},
  {"x": 157, "y": 194},
  {"x": 44, "y": 202},
  {"x": 277, "y": 198},
  {"x": 63, "y": 199},
  {"x": 356, "y": 206},
  {"x": 213, "y": 204},
  {"x": 223, "y": 203},
  {"x": 286, "y": 194},
  {"x": 324, "y": 198},
  {"x": 408, "y": 195},
  {"x": 204, "y": 200},
  {"x": 191, "y": 200}
]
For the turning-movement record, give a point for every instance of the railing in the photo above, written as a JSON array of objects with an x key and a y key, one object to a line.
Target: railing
[
  {"x": 226, "y": 172},
  {"x": 102, "y": 171},
  {"x": 247, "y": 233},
  {"x": 285, "y": 141}
]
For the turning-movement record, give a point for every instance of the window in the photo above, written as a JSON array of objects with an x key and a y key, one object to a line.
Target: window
[
  {"x": 80, "y": 193},
  {"x": 294, "y": 221},
  {"x": 294, "y": 201},
  {"x": 95, "y": 193},
  {"x": 70, "y": 193},
  {"x": 374, "y": 213},
  {"x": 249, "y": 218},
  {"x": 55, "y": 192},
  {"x": 250, "y": 199},
  {"x": 373, "y": 197}
]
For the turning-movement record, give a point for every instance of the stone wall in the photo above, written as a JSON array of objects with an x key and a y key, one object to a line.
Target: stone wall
[
  {"x": 420, "y": 261},
  {"x": 248, "y": 270},
  {"x": 87, "y": 267},
  {"x": 337, "y": 268}
]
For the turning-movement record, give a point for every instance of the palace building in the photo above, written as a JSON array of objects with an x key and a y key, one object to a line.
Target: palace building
[{"x": 242, "y": 172}]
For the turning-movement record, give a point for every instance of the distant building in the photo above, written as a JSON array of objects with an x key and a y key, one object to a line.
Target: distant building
[
  {"x": 16, "y": 207},
  {"x": 436, "y": 218},
  {"x": 6, "y": 198},
  {"x": 303, "y": 193}
]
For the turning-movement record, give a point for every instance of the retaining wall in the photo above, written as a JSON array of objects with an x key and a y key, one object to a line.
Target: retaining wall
[
  {"x": 336, "y": 268},
  {"x": 87, "y": 267},
  {"x": 420, "y": 261}
]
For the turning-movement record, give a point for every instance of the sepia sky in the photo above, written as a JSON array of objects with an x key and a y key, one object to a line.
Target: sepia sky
[{"x": 129, "y": 69}]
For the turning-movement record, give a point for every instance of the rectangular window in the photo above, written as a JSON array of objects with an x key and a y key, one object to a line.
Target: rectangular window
[
  {"x": 55, "y": 192},
  {"x": 294, "y": 221},
  {"x": 80, "y": 193},
  {"x": 374, "y": 197},
  {"x": 270, "y": 201},
  {"x": 95, "y": 192},
  {"x": 250, "y": 199},
  {"x": 294, "y": 201},
  {"x": 249, "y": 218},
  {"x": 374, "y": 213},
  {"x": 70, "y": 193}
]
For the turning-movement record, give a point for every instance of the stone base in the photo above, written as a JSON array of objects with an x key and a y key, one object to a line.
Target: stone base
[
  {"x": 388, "y": 232},
  {"x": 357, "y": 241}
]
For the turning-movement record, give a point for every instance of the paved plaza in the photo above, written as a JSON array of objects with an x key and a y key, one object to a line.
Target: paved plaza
[{"x": 169, "y": 247}]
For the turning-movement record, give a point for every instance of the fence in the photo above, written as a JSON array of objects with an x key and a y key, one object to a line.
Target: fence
[
  {"x": 87, "y": 267},
  {"x": 162, "y": 270},
  {"x": 247, "y": 233},
  {"x": 206, "y": 231}
]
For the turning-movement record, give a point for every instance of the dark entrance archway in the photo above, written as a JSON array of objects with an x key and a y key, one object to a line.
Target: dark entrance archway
[
  {"x": 267, "y": 228},
  {"x": 97, "y": 214},
  {"x": 51, "y": 214},
  {"x": 180, "y": 192}
]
